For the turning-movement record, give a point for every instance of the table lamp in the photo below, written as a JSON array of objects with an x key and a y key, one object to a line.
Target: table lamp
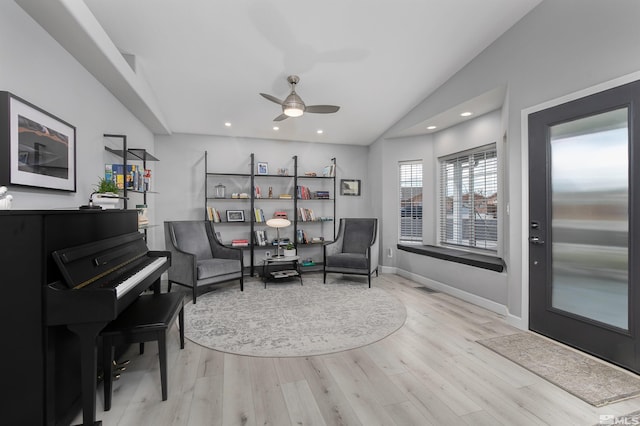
[{"x": 278, "y": 222}]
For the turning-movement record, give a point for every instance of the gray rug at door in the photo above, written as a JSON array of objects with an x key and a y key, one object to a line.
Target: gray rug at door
[
  {"x": 591, "y": 380},
  {"x": 287, "y": 319}
]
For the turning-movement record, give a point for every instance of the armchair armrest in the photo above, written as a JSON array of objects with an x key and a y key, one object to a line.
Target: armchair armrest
[
  {"x": 183, "y": 266},
  {"x": 225, "y": 252}
]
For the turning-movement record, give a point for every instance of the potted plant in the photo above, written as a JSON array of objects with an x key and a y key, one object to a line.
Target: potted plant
[
  {"x": 105, "y": 194},
  {"x": 105, "y": 186},
  {"x": 290, "y": 250}
]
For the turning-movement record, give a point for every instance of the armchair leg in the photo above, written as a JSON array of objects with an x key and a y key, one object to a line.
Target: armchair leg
[
  {"x": 194, "y": 294},
  {"x": 369, "y": 276},
  {"x": 169, "y": 287},
  {"x": 241, "y": 282},
  {"x": 324, "y": 280}
]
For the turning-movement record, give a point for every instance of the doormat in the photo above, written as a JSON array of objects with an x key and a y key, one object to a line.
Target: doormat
[{"x": 595, "y": 382}]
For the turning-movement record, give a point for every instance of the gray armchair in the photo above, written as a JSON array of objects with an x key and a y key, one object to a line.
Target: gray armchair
[
  {"x": 355, "y": 250},
  {"x": 198, "y": 259}
]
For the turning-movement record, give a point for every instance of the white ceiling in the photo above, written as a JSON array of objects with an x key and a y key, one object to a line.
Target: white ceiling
[{"x": 201, "y": 63}]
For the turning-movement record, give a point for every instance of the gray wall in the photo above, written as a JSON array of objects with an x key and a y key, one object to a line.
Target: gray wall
[
  {"x": 181, "y": 171},
  {"x": 35, "y": 68},
  {"x": 559, "y": 48}
]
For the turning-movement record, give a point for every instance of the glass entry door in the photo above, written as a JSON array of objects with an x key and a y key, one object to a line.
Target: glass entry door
[{"x": 582, "y": 228}]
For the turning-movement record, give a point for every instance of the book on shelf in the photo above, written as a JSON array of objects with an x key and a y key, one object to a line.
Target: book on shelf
[
  {"x": 329, "y": 171},
  {"x": 281, "y": 214},
  {"x": 285, "y": 196},
  {"x": 303, "y": 193},
  {"x": 213, "y": 214},
  {"x": 321, "y": 195},
  {"x": 306, "y": 215},
  {"x": 136, "y": 178},
  {"x": 260, "y": 237},
  {"x": 302, "y": 237},
  {"x": 282, "y": 242},
  {"x": 258, "y": 215},
  {"x": 240, "y": 242}
]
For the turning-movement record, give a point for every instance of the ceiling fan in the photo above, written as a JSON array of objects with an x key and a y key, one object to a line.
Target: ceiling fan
[{"x": 293, "y": 106}]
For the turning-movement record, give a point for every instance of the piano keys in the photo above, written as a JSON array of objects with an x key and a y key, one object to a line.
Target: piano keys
[{"x": 104, "y": 276}]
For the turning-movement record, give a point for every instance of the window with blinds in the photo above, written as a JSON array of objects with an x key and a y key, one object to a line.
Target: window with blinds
[
  {"x": 410, "y": 201},
  {"x": 469, "y": 199}
]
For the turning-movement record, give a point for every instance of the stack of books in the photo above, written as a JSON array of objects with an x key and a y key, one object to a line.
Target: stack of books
[
  {"x": 321, "y": 195},
  {"x": 240, "y": 243}
]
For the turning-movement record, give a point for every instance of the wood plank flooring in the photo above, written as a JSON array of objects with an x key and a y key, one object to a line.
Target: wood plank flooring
[{"x": 430, "y": 372}]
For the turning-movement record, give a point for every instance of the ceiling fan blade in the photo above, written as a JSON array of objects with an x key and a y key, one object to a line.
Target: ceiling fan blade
[
  {"x": 281, "y": 117},
  {"x": 322, "y": 109},
  {"x": 271, "y": 98}
]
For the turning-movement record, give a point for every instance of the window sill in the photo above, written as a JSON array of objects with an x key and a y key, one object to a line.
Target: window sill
[{"x": 483, "y": 261}]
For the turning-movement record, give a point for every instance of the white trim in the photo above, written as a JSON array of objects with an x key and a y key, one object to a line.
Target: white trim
[
  {"x": 524, "y": 169},
  {"x": 460, "y": 294},
  {"x": 388, "y": 270}
]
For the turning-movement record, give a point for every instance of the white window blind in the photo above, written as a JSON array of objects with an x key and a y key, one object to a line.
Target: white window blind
[
  {"x": 469, "y": 199},
  {"x": 410, "y": 201}
]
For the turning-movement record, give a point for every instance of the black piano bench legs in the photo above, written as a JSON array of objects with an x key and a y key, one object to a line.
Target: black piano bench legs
[{"x": 145, "y": 320}]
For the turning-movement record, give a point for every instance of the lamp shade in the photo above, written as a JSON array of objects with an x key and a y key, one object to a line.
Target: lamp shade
[
  {"x": 278, "y": 222},
  {"x": 293, "y": 106}
]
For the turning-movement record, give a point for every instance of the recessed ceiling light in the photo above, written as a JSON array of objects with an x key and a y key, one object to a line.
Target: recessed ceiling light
[
  {"x": 320, "y": 131},
  {"x": 466, "y": 114},
  {"x": 227, "y": 124},
  {"x": 276, "y": 128},
  {"x": 432, "y": 127}
]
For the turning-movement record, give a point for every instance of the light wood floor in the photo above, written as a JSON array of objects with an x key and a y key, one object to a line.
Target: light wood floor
[{"x": 430, "y": 372}]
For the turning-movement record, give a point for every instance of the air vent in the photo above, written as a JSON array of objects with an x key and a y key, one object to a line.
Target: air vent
[{"x": 426, "y": 289}]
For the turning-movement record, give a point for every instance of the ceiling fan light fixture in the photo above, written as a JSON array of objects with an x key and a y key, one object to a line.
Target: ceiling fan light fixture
[
  {"x": 293, "y": 105},
  {"x": 293, "y": 111}
]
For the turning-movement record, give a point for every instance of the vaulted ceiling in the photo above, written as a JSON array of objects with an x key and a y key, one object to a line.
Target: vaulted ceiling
[{"x": 195, "y": 65}]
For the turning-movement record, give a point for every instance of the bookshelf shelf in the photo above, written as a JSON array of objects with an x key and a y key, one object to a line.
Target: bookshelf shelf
[
  {"x": 289, "y": 184},
  {"x": 132, "y": 154}
]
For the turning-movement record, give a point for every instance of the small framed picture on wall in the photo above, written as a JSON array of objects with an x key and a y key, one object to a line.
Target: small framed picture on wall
[{"x": 350, "y": 187}]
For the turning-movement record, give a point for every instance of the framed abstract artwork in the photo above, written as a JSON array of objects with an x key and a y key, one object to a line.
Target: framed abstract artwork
[{"x": 36, "y": 148}]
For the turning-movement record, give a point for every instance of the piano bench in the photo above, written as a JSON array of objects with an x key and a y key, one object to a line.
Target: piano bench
[{"x": 147, "y": 319}]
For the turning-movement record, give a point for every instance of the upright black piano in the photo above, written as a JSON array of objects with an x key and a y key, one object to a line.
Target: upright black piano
[{"x": 43, "y": 301}]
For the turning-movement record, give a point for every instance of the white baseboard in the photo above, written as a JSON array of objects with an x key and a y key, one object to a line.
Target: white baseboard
[
  {"x": 460, "y": 294},
  {"x": 388, "y": 270}
]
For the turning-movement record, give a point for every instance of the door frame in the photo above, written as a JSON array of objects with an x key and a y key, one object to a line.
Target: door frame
[{"x": 523, "y": 322}]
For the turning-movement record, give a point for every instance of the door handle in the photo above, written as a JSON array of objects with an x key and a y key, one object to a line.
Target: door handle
[{"x": 536, "y": 240}]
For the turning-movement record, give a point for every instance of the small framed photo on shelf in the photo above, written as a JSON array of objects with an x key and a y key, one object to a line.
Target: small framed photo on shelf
[
  {"x": 235, "y": 215},
  {"x": 263, "y": 168},
  {"x": 350, "y": 187}
]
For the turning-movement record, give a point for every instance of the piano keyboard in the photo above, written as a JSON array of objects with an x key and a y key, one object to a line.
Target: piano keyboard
[{"x": 133, "y": 280}]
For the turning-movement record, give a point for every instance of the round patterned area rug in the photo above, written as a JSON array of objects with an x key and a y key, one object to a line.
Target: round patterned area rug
[{"x": 287, "y": 319}]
